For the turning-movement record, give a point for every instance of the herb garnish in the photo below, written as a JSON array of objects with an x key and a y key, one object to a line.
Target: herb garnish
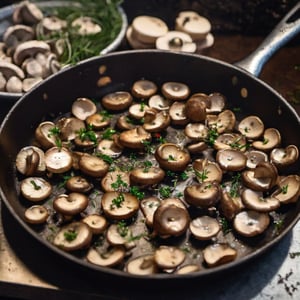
[
  {"x": 35, "y": 186},
  {"x": 87, "y": 134},
  {"x": 70, "y": 235},
  {"x": 55, "y": 132},
  {"x": 117, "y": 202},
  {"x": 235, "y": 185}
]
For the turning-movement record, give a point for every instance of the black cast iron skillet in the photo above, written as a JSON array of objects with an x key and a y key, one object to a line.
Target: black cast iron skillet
[{"x": 242, "y": 89}]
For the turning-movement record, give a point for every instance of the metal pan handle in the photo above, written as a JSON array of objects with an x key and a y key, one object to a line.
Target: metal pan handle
[{"x": 285, "y": 30}]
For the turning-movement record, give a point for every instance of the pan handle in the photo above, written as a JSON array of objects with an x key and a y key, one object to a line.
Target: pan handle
[{"x": 285, "y": 30}]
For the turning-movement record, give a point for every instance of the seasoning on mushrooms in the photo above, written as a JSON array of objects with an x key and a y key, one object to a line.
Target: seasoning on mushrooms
[{"x": 35, "y": 188}]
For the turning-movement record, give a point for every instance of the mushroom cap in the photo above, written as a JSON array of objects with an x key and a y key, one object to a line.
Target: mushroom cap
[
  {"x": 110, "y": 258},
  {"x": 211, "y": 169},
  {"x": 36, "y": 214},
  {"x": 43, "y": 134},
  {"x": 172, "y": 157},
  {"x": 256, "y": 201},
  {"x": 159, "y": 102},
  {"x": 116, "y": 237},
  {"x": 283, "y": 157},
  {"x": 218, "y": 254},
  {"x": 152, "y": 175},
  {"x": 288, "y": 189},
  {"x": 231, "y": 159},
  {"x": 92, "y": 165},
  {"x": 225, "y": 121},
  {"x": 271, "y": 139},
  {"x": 116, "y": 101},
  {"x": 168, "y": 257},
  {"x": 204, "y": 227},
  {"x": 69, "y": 128},
  {"x": 58, "y": 159},
  {"x": 143, "y": 89},
  {"x": 110, "y": 148},
  {"x": 78, "y": 184},
  {"x": 138, "y": 110},
  {"x": 73, "y": 236},
  {"x": 83, "y": 108},
  {"x": 97, "y": 223},
  {"x": 187, "y": 269},
  {"x": 229, "y": 206},
  {"x": 217, "y": 102},
  {"x": 177, "y": 113},
  {"x": 135, "y": 138},
  {"x": 9, "y": 69},
  {"x": 252, "y": 127},
  {"x": 111, "y": 177},
  {"x": 230, "y": 141},
  {"x": 196, "y": 131},
  {"x": 119, "y": 206},
  {"x": 148, "y": 207},
  {"x": 205, "y": 194},
  {"x": 30, "y": 12},
  {"x": 251, "y": 223},
  {"x": 86, "y": 26},
  {"x": 97, "y": 121},
  {"x": 195, "y": 109},
  {"x": 35, "y": 188},
  {"x": 254, "y": 157},
  {"x": 176, "y": 91},
  {"x": 160, "y": 122},
  {"x": 142, "y": 265},
  {"x": 14, "y": 85},
  {"x": 124, "y": 122},
  {"x": 71, "y": 204}
]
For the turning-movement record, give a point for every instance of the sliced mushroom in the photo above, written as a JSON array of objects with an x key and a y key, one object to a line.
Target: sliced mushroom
[
  {"x": 83, "y": 108},
  {"x": 98, "y": 121},
  {"x": 35, "y": 189},
  {"x": 142, "y": 265},
  {"x": 218, "y": 254},
  {"x": 51, "y": 24},
  {"x": 143, "y": 89},
  {"x": 58, "y": 159},
  {"x": 288, "y": 189},
  {"x": 111, "y": 257},
  {"x": 78, "y": 184},
  {"x": 252, "y": 127},
  {"x": 230, "y": 141},
  {"x": 207, "y": 170},
  {"x": 110, "y": 179},
  {"x": 116, "y": 236},
  {"x": 172, "y": 157},
  {"x": 28, "y": 13},
  {"x": 97, "y": 223},
  {"x": 230, "y": 205},
  {"x": 147, "y": 176},
  {"x": 36, "y": 214},
  {"x": 251, "y": 223},
  {"x": 271, "y": 139},
  {"x": 30, "y": 160},
  {"x": 110, "y": 148},
  {"x": 43, "y": 134},
  {"x": 216, "y": 102},
  {"x": 69, "y": 127},
  {"x": 92, "y": 165},
  {"x": 74, "y": 236},
  {"x": 225, "y": 121},
  {"x": 86, "y": 26},
  {"x": 138, "y": 110},
  {"x": 117, "y": 101},
  {"x": 256, "y": 201},
  {"x": 254, "y": 157},
  {"x": 187, "y": 269},
  {"x": 119, "y": 205},
  {"x": 231, "y": 160},
  {"x": 124, "y": 122},
  {"x": 135, "y": 138},
  {"x": 71, "y": 204},
  {"x": 168, "y": 257},
  {"x": 195, "y": 108},
  {"x": 159, "y": 123},
  {"x": 283, "y": 157},
  {"x": 205, "y": 194},
  {"x": 204, "y": 227},
  {"x": 177, "y": 113},
  {"x": 148, "y": 206},
  {"x": 170, "y": 219},
  {"x": 196, "y": 131},
  {"x": 197, "y": 148},
  {"x": 176, "y": 91},
  {"x": 159, "y": 102}
]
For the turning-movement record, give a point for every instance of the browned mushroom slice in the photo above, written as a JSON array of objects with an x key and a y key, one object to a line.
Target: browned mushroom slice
[
  {"x": 148, "y": 207},
  {"x": 230, "y": 141},
  {"x": 251, "y": 223},
  {"x": 109, "y": 147},
  {"x": 111, "y": 257},
  {"x": 159, "y": 102},
  {"x": 118, "y": 236},
  {"x": 83, "y": 108},
  {"x": 138, "y": 110},
  {"x": 187, "y": 269},
  {"x": 160, "y": 121},
  {"x": 172, "y": 157},
  {"x": 231, "y": 160},
  {"x": 98, "y": 121},
  {"x": 86, "y": 26},
  {"x": 230, "y": 205},
  {"x": 218, "y": 254},
  {"x": 177, "y": 113},
  {"x": 225, "y": 121},
  {"x": 78, "y": 184},
  {"x": 217, "y": 103},
  {"x": 147, "y": 176},
  {"x": 44, "y": 136},
  {"x": 119, "y": 205},
  {"x": 143, "y": 89},
  {"x": 254, "y": 157},
  {"x": 36, "y": 214},
  {"x": 283, "y": 157},
  {"x": 256, "y": 201},
  {"x": 196, "y": 148},
  {"x": 204, "y": 195},
  {"x": 195, "y": 109},
  {"x": 124, "y": 122},
  {"x": 262, "y": 178},
  {"x": 116, "y": 101},
  {"x": 170, "y": 219},
  {"x": 69, "y": 128},
  {"x": 29, "y": 49},
  {"x": 289, "y": 189},
  {"x": 92, "y": 165},
  {"x": 271, "y": 139},
  {"x": 58, "y": 160},
  {"x": 168, "y": 257},
  {"x": 135, "y": 138},
  {"x": 176, "y": 91},
  {"x": 35, "y": 189},
  {"x": 111, "y": 180},
  {"x": 30, "y": 160},
  {"x": 74, "y": 236},
  {"x": 142, "y": 265},
  {"x": 71, "y": 204},
  {"x": 252, "y": 127},
  {"x": 207, "y": 170},
  {"x": 204, "y": 227},
  {"x": 97, "y": 223},
  {"x": 196, "y": 131}
]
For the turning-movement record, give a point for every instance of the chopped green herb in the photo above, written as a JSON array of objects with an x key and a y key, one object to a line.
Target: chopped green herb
[
  {"x": 147, "y": 166},
  {"x": 225, "y": 226},
  {"x": 35, "y": 186},
  {"x": 55, "y": 132},
  {"x": 165, "y": 191},
  {"x": 105, "y": 157},
  {"x": 117, "y": 202},
  {"x": 122, "y": 228},
  {"x": 135, "y": 191},
  {"x": 87, "y": 134},
  {"x": 235, "y": 185},
  {"x": 70, "y": 235},
  {"x": 119, "y": 184},
  {"x": 202, "y": 176},
  {"x": 284, "y": 189},
  {"x": 108, "y": 133},
  {"x": 212, "y": 136}
]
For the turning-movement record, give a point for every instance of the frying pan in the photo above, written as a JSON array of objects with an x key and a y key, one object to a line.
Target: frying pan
[{"x": 241, "y": 87}]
